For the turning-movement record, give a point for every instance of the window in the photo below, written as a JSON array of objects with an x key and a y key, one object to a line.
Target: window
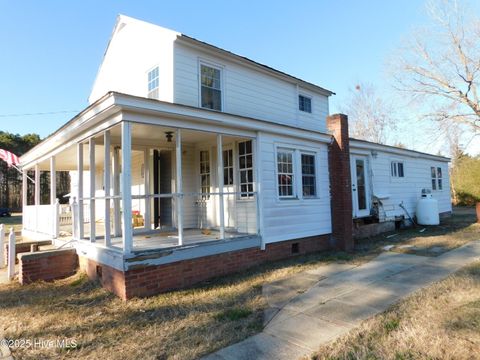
[
  {"x": 245, "y": 166},
  {"x": 397, "y": 169},
  {"x": 437, "y": 183},
  {"x": 228, "y": 167},
  {"x": 285, "y": 173},
  {"x": 205, "y": 174},
  {"x": 439, "y": 178},
  {"x": 293, "y": 164},
  {"x": 153, "y": 83},
  {"x": 211, "y": 93},
  {"x": 304, "y": 103},
  {"x": 308, "y": 175}
]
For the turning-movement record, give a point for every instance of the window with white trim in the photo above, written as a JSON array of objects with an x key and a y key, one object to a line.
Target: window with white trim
[
  {"x": 205, "y": 174},
  {"x": 245, "y": 168},
  {"x": 397, "y": 169},
  {"x": 304, "y": 103},
  {"x": 211, "y": 87},
  {"x": 308, "y": 175},
  {"x": 285, "y": 173},
  {"x": 153, "y": 83},
  {"x": 437, "y": 180},
  {"x": 228, "y": 167}
]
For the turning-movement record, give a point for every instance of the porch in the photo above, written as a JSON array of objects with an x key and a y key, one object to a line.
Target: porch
[{"x": 138, "y": 187}]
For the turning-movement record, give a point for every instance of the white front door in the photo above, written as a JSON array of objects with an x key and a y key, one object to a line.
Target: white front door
[
  {"x": 360, "y": 186},
  {"x": 229, "y": 187},
  {"x": 205, "y": 201}
]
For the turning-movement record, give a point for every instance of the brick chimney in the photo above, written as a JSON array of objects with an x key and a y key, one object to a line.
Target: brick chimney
[{"x": 340, "y": 182}]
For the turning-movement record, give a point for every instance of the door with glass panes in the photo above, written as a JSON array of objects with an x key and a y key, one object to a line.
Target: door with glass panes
[
  {"x": 229, "y": 187},
  {"x": 360, "y": 186}
]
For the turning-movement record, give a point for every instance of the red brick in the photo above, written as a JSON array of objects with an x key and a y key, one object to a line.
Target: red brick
[{"x": 340, "y": 182}]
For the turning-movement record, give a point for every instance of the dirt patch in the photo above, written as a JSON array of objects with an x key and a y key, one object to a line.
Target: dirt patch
[{"x": 454, "y": 231}]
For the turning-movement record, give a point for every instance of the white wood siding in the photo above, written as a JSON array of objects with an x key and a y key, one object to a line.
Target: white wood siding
[
  {"x": 290, "y": 219},
  {"x": 138, "y": 182},
  {"x": 247, "y": 92},
  {"x": 190, "y": 211},
  {"x": 408, "y": 189},
  {"x": 134, "y": 49}
]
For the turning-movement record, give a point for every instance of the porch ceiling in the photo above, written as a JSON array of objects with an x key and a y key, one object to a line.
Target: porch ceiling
[{"x": 142, "y": 136}]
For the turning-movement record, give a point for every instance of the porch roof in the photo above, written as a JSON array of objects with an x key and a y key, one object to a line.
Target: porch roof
[
  {"x": 371, "y": 146},
  {"x": 114, "y": 107}
]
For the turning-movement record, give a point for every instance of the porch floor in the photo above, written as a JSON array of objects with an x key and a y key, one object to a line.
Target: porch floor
[{"x": 165, "y": 240}]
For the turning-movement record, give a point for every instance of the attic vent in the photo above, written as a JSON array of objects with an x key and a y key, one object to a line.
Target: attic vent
[
  {"x": 98, "y": 270},
  {"x": 295, "y": 248}
]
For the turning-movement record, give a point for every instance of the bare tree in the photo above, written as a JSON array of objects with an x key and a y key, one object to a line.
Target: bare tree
[
  {"x": 440, "y": 68},
  {"x": 371, "y": 118}
]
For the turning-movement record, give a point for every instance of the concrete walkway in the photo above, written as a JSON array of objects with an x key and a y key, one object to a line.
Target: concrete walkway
[{"x": 316, "y": 306}]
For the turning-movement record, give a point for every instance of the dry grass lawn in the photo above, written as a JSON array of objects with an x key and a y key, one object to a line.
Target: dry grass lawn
[
  {"x": 439, "y": 322},
  {"x": 177, "y": 325},
  {"x": 190, "y": 323}
]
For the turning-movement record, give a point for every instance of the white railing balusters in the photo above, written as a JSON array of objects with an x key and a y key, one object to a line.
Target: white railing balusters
[
  {"x": 11, "y": 255},
  {"x": 2, "y": 246}
]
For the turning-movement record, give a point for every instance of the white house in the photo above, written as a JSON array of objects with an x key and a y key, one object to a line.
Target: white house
[{"x": 192, "y": 162}]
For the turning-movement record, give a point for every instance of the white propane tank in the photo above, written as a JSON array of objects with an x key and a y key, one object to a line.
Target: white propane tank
[{"x": 427, "y": 209}]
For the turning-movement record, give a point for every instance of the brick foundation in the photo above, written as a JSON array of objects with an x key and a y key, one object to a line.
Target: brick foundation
[
  {"x": 150, "y": 280},
  {"x": 371, "y": 230},
  {"x": 340, "y": 182},
  {"x": 47, "y": 265}
]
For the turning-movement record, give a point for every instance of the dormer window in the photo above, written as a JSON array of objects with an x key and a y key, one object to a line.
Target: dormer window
[
  {"x": 304, "y": 103},
  {"x": 153, "y": 83},
  {"x": 211, "y": 87}
]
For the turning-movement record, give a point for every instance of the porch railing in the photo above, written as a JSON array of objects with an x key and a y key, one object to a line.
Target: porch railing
[
  {"x": 199, "y": 211},
  {"x": 65, "y": 215},
  {"x": 42, "y": 219}
]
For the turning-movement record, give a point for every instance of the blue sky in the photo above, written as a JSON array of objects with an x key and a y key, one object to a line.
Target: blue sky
[{"x": 51, "y": 49}]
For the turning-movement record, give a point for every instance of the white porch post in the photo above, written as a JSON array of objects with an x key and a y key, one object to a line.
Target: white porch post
[
  {"x": 37, "y": 185},
  {"x": 106, "y": 182},
  {"x": 127, "y": 187},
  {"x": 37, "y": 194},
  {"x": 74, "y": 209},
  {"x": 53, "y": 197},
  {"x": 257, "y": 165},
  {"x": 117, "y": 226},
  {"x": 2, "y": 246},
  {"x": 146, "y": 174},
  {"x": 91, "y": 153},
  {"x": 178, "y": 158},
  {"x": 53, "y": 181},
  {"x": 11, "y": 255},
  {"x": 80, "y": 231},
  {"x": 24, "y": 190},
  {"x": 221, "y": 206}
]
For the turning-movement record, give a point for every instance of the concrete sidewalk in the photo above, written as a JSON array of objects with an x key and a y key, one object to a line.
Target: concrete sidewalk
[{"x": 316, "y": 306}]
